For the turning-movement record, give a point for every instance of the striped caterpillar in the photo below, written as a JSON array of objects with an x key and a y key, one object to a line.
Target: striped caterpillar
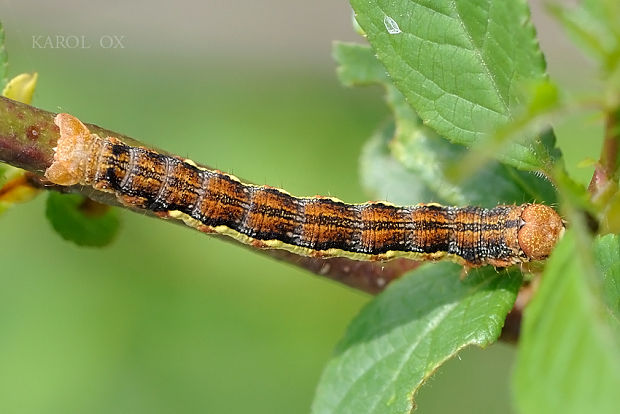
[{"x": 266, "y": 217}]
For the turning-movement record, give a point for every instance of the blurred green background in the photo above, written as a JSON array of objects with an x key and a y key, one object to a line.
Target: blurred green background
[{"x": 168, "y": 320}]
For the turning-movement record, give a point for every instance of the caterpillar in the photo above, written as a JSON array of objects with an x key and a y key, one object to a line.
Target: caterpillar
[{"x": 266, "y": 217}]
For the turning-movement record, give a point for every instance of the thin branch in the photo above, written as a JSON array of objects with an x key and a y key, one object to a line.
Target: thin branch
[
  {"x": 28, "y": 136},
  {"x": 606, "y": 169},
  {"x": 512, "y": 326}
]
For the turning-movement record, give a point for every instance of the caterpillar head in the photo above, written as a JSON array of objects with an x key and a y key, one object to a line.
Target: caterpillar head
[{"x": 541, "y": 229}]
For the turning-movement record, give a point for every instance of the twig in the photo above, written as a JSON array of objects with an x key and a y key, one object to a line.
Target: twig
[
  {"x": 28, "y": 136},
  {"x": 27, "y": 139},
  {"x": 512, "y": 326},
  {"x": 606, "y": 169}
]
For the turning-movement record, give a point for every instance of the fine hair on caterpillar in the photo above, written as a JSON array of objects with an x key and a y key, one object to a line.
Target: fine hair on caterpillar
[{"x": 266, "y": 217}]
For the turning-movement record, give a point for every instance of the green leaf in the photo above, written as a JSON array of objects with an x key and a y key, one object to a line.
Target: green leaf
[
  {"x": 412, "y": 168},
  {"x": 81, "y": 220},
  {"x": 14, "y": 187},
  {"x": 3, "y": 180},
  {"x": 609, "y": 217},
  {"x": 425, "y": 156},
  {"x": 607, "y": 256},
  {"x": 594, "y": 25},
  {"x": 3, "y": 80},
  {"x": 387, "y": 179},
  {"x": 459, "y": 64},
  {"x": 21, "y": 87},
  {"x": 4, "y": 60},
  {"x": 569, "y": 356},
  {"x": 432, "y": 160},
  {"x": 408, "y": 331},
  {"x": 357, "y": 65}
]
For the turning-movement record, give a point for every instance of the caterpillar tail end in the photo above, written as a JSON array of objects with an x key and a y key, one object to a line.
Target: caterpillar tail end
[{"x": 66, "y": 168}]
